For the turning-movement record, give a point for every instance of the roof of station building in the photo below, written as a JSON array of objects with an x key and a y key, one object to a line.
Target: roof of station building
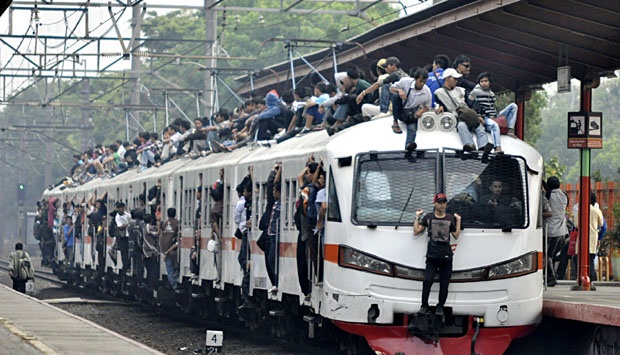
[{"x": 522, "y": 43}]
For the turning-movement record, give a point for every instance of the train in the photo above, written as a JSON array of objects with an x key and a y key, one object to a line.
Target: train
[{"x": 372, "y": 262}]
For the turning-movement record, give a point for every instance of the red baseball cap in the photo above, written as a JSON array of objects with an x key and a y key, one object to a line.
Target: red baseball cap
[{"x": 440, "y": 197}]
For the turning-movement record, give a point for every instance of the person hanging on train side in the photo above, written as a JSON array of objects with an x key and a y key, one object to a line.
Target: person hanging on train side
[
  {"x": 441, "y": 226},
  {"x": 68, "y": 240},
  {"x": 122, "y": 220},
  {"x": 273, "y": 232},
  {"x": 306, "y": 217},
  {"x": 243, "y": 219},
  {"x": 168, "y": 246},
  {"x": 150, "y": 250}
]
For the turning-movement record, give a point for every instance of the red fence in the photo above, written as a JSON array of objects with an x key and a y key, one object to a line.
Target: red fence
[{"x": 607, "y": 194}]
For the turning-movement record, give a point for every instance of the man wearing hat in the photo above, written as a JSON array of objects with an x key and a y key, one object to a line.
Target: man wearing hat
[
  {"x": 439, "y": 252},
  {"x": 449, "y": 98}
]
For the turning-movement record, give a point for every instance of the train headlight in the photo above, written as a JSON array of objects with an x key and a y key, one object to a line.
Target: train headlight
[
  {"x": 409, "y": 273},
  {"x": 467, "y": 275},
  {"x": 357, "y": 260},
  {"x": 447, "y": 122},
  {"x": 427, "y": 122},
  {"x": 522, "y": 265}
]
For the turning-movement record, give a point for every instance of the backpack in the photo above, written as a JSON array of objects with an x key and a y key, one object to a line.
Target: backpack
[
  {"x": 217, "y": 192},
  {"x": 113, "y": 228},
  {"x": 24, "y": 267}
]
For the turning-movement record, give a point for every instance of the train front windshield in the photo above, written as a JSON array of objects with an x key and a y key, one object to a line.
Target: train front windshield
[{"x": 389, "y": 189}]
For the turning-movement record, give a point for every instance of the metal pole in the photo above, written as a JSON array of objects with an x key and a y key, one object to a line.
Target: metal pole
[
  {"x": 127, "y": 125},
  {"x": 290, "y": 58},
  {"x": 251, "y": 81},
  {"x": 335, "y": 60},
  {"x": 166, "y": 105},
  {"x": 197, "y": 95},
  {"x": 584, "y": 200},
  {"x": 311, "y": 67}
]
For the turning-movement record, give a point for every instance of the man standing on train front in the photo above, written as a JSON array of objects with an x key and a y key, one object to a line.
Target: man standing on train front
[{"x": 439, "y": 253}]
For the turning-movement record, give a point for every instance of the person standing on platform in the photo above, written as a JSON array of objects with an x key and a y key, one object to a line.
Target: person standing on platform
[
  {"x": 555, "y": 225},
  {"x": 20, "y": 268}
]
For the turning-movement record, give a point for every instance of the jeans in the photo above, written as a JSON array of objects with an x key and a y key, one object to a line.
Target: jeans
[
  {"x": 244, "y": 258},
  {"x": 493, "y": 127},
  {"x": 466, "y": 137},
  {"x": 341, "y": 112},
  {"x": 172, "y": 270},
  {"x": 445, "y": 272},
  {"x": 510, "y": 112},
  {"x": 152, "y": 271},
  {"x": 146, "y": 157},
  {"x": 385, "y": 97},
  {"x": 552, "y": 246},
  {"x": 397, "y": 106},
  {"x": 412, "y": 130},
  {"x": 272, "y": 259}
]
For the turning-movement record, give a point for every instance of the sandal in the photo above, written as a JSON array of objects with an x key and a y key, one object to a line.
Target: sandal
[{"x": 396, "y": 129}]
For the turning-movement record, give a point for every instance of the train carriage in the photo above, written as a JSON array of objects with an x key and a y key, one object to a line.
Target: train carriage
[{"x": 373, "y": 263}]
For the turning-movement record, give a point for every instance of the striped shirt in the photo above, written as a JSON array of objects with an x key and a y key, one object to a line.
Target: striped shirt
[{"x": 483, "y": 102}]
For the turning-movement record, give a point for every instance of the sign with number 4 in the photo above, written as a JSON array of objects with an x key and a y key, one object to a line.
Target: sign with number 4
[{"x": 215, "y": 340}]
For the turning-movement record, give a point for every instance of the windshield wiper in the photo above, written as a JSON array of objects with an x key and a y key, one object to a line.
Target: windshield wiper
[{"x": 405, "y": 208}]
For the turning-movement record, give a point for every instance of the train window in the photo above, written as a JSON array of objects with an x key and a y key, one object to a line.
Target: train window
[
  {"x": 388, "y": 188},
  {"x": 492, "y": 195},
  {"x": 180, "y": 200},
  {"x": 227, "y": 209},
  {"x": 333, "y": 206},
  {"x": 288, "y": 196}
]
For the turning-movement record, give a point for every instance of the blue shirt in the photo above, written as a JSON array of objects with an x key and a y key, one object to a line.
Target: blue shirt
[{"x": 68, "y": 236}]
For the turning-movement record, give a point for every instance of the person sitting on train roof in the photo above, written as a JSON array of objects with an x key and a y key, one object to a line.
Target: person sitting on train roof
[
  {"x": 268, "y": 121},
  {"x": 349, "y": 112},
  {"x": 185, "y": 130},
  {"x": 482, "y": 99},
  {"x": 301, "y": 95},
  {"x": 462, "y": 65},
  {"x": 197, "y": 139},
  {"x": 348, "y": 105},
  {"x": 413, "y": 96},
  {"x": 172, "y": 136},
  {"x": 395, "y": 73},
  {"x": 289, "y": 118},
  {"x": 145, "y": 150},
  {"x": 312, "y": 112},
  {"x": 77, "y": 162},
  {"x": 379, "y": 73},
  {"x": 449, "y": 98},
  {"x": 441, "y": 62},
  {"x": 131, "y": 157}
]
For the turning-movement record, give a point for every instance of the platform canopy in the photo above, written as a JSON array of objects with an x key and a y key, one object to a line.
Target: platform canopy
[{"x": 522, "y": 43}]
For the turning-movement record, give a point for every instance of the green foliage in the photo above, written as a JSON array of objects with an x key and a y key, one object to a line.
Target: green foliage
[
  {"x": 533, "y": 116},
  {"x": 552, "y": 142},
  {"x": 554, "y": 167}
]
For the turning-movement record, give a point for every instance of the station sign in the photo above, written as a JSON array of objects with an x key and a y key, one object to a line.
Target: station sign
[{"x": 585, "y": 130}]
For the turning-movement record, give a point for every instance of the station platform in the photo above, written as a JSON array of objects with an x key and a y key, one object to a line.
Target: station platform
[
  {"x": 601, "y": 306},
  {"x": 30, "y": 326}
]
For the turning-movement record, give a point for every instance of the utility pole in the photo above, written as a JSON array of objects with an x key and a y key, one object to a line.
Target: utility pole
[
  {"x": 210, "y": 50},
  {"x": 86, "y": 133},
  {"x": 136, "y": 64}
]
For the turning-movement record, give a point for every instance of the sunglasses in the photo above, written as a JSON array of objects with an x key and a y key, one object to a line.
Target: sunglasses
[{"x": 466, "y": 65}]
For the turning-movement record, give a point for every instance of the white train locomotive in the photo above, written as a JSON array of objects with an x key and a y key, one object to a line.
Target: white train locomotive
[{"x": 373, "y": 263}]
